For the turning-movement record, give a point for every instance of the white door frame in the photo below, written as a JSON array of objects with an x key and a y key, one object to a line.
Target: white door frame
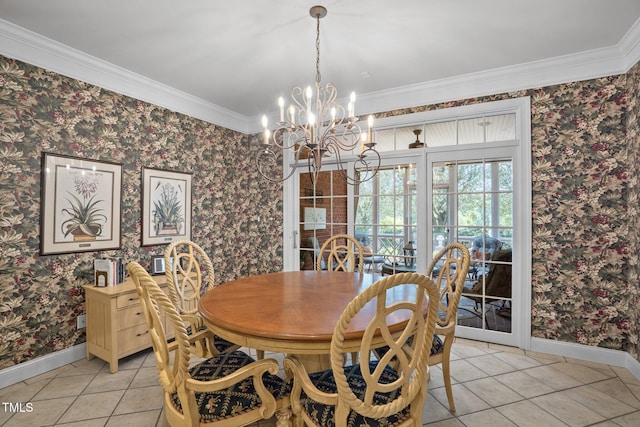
[{"x": 521, "y": 328}]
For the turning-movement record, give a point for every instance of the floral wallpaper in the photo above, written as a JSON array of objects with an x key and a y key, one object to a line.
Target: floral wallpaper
[
  {"x": 236, "y": 216},
  {"x": 585, "y": 209},
  {"x": 585, "y": 202}
]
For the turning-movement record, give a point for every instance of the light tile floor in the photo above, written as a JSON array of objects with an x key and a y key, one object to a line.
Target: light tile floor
[{"x": 493, "y": 386}]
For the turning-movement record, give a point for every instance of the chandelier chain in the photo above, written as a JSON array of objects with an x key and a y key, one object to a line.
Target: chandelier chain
[{"x": 318, "y": 79}]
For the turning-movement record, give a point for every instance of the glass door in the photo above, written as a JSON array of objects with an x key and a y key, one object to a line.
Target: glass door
[
  {"x": 324, "y": 208},
  {"x": 386, "y": 219},
  {"x": 473, "y": 203}
]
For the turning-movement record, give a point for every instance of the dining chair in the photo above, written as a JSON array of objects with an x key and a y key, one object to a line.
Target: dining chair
[
  {"x": 344, "y": 253},
  {"x": 187, "y": 282},
  {"x": 448, "y": 269},
  {"x": 228, "y": 389},
  {"x": 372, "y": 393}
]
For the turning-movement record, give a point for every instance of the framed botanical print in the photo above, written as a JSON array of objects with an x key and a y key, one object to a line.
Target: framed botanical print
[
  {"x": 166, "y": 206},
  {"x": 80, "y": 205}
]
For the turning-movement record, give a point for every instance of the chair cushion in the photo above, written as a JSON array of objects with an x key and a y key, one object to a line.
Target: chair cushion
[
  {"x": 323, "y": 415},
  {"x": 437, "y": 346},
  {"x": 221, "y": 344},
  {"x": 239, "y": 398}
]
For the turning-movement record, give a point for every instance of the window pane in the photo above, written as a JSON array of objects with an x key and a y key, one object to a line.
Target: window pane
[
  {"x": 501, "y": 128},
  {"x": 471, "y": 131},
  {"x": 387, "y": 181},
  {"x": 441, "y": 174},
  {"x": 466, "y": 234},
  {"x": 506, "y": 209},
  {"x": 506, "y": 176},
  {"x": 364, "y": 210},
  {"x": 440, "y": 209},
  {"x": 440, "y": 134},
  {"x": 440, "y": 239},
  {"x": 470, "y": 207},
  {"x": 384, "y": 139},
  {"x": 406, "y": 136},
  {"x": 470, "y": 177},
  {"x": 386, "y": 209}
]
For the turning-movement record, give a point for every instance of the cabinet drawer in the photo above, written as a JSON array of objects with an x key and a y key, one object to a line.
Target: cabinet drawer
[
  {"x": 133, "y": 339},
  {"x": 130, "y": 316},
  {"x": 126, "y": 300}
]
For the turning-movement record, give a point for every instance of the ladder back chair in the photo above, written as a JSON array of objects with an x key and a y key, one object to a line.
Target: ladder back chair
[
  {"x": 372, "y": 393},
  {"x": 187, "y": 281},
  {"x": 228, "y": 389}
]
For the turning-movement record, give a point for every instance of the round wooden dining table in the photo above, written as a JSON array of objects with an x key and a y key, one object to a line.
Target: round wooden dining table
[{"x": 296, "y": 312}]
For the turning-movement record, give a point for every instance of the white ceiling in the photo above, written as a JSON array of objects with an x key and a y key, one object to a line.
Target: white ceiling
[{"x": 237, "y": 58}]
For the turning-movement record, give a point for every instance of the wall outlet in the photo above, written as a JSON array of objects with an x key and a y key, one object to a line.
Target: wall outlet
[{"x": 81, "y": 321}]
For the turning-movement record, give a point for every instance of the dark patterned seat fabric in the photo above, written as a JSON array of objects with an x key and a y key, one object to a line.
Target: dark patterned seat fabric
[
  {"x": 221, "y": 344},
  {"x": 239, "y": 398},
  {"x": 323, "y": 415},
  {"x": 437, "y": 346}
]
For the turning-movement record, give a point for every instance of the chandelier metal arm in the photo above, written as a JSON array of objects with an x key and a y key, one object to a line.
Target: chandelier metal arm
[{"x": 314, "y": 126}]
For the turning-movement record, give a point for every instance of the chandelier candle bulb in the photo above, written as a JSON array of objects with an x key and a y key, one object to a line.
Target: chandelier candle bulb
[
  {"x": 309, "y": 94},
  {"x": 292, "y": 113},
  {"x": 324, "y": 129},
  {"x": 312, "y": 123},
  {"x": 281, "y": 105},
  {"x": 352, "y": 105}
]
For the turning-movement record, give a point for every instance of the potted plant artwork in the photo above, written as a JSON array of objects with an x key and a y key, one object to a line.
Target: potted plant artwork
[
  {"x": 167, "y": 212},
  {"x": 86, "y": 217}
]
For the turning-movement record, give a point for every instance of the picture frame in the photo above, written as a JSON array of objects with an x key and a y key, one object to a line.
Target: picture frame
[
  {"x": 80, "y": 205},
  {"x": 166, "y": 206},
  {"x": 315, "y": 218}
]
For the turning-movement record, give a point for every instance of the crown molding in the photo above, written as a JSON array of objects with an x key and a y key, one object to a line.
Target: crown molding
[
  {"x": 27, "y": 46},
  {"x": 630, "y": 46},
  {"x": 30, "y": 47}
]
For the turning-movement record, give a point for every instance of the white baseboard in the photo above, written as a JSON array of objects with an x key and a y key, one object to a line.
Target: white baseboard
[
  {"x": 43, "y": 364},
  {"x": 55, "y": 360},
  {"x": 588, "y": 353}
]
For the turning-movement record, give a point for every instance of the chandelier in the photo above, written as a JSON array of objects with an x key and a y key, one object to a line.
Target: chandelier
[{"x": 316, "y": 127}]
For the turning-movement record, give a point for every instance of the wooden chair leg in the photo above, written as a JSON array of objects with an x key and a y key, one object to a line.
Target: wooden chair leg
[
  {"x": 260, "y": 354},
  {"x": 446, "y": 373}
]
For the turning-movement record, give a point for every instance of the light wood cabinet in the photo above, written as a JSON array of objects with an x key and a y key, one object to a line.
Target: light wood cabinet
[{"x": 116, "y": 326}]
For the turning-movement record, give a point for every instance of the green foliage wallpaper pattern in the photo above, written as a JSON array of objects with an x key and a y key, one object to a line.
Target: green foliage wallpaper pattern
[
  {"x": 585, "y": 234},
  {"x": 585, "y": 202},
  {"x": 236, "y": 216}
]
